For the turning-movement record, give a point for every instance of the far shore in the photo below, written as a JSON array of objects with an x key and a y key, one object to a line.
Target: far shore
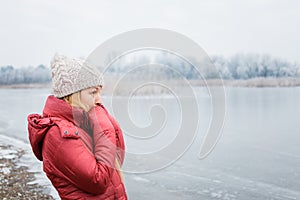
[
  {"x": 255, "y": 82},
  {"x": 258, "y": 82},
  {"x": 25, "y": 86}
]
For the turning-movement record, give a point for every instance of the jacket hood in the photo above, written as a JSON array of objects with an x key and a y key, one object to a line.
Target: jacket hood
[
  {"x": 56, "y": 112},
  {"x": 37, "y": 129}
]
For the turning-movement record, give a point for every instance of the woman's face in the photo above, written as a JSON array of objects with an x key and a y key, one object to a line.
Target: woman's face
[{"x": 91, "y": 96}]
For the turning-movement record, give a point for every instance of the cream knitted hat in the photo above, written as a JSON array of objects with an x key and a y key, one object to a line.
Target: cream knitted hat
[{"x": 70, "y": 75}]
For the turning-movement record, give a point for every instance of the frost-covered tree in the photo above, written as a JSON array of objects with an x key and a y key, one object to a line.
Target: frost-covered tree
[
  {"x": 24, "y": 75},
  {"x": 165, "y": 65}
]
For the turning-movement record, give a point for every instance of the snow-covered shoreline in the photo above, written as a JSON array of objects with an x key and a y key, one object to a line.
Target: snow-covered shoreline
[{"x": 20, "y": 167}]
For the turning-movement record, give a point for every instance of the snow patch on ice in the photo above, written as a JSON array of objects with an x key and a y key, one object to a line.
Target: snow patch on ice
[
  {"x": 5, "y": 170},
  {"x": 8, "y": 153},
  {"x": 140, "y": 179}
]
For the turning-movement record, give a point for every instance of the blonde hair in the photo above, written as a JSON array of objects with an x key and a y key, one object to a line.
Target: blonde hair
[{"x": 74, "y": 100}]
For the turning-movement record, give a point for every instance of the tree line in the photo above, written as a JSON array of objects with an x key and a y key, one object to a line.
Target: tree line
[
  {"x": 24, "y": 75},
  {"x": 240, "y": 66}
]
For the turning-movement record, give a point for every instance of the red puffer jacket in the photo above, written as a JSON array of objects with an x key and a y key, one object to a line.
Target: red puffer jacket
[{"x": 79, "y": 150}]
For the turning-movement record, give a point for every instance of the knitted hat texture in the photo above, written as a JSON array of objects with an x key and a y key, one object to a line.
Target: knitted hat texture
[{"x": 70, "y": 75}]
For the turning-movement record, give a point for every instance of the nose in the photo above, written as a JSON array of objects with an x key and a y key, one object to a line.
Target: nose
[{"x": 98, "y": 99}]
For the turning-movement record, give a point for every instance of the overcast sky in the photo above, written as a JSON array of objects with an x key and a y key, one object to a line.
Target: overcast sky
[{"x": 33, "y": 30}]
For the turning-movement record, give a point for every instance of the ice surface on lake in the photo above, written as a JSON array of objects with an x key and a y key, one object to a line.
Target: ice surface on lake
[{"x": 257, "y": 156}]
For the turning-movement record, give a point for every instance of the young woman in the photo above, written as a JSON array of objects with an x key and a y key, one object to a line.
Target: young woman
[{"x": 80, "y": 144}]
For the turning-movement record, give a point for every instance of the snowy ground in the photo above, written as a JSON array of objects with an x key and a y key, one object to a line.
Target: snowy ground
[{"x": 21, "y": 175}]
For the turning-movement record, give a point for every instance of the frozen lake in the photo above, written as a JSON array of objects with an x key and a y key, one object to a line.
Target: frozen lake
[{"x": 257, "y": 157}]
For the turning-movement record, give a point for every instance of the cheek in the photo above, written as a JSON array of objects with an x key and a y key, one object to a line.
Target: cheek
[{"x": 87, "y": 99}]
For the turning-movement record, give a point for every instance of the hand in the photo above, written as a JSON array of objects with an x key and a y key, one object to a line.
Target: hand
[{"x": 104, "y": 137}]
